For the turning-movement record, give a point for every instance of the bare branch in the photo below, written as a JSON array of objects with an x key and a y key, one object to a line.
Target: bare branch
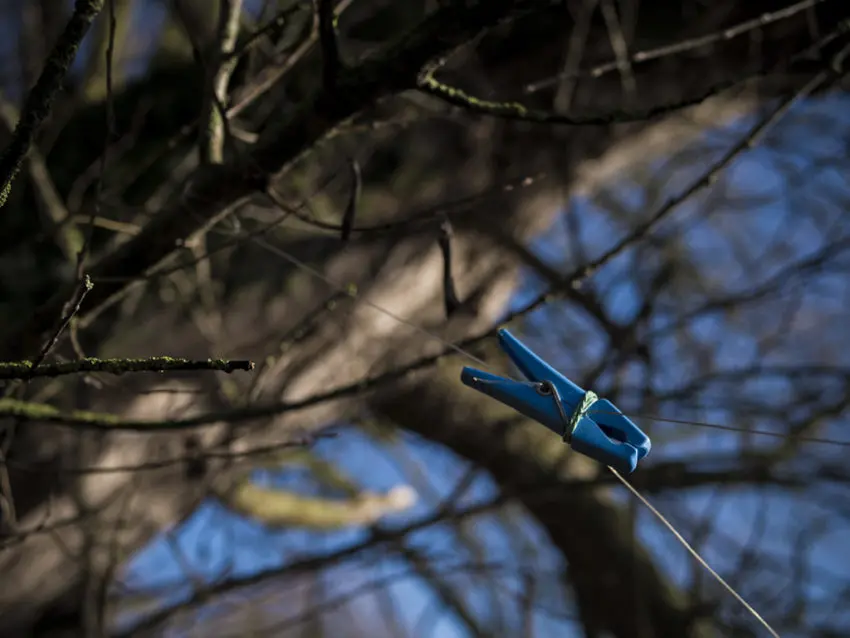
[
  {"x": 284, "y": 508},
  {"x": 690, "y": 44},
  {"x": 38, "y": 104},
  {"x": 353, "y": 201},
  {"x": 27, "y": 370},
  {"x": 221, "y": 66},
  {"x": 519, "y": 112}
]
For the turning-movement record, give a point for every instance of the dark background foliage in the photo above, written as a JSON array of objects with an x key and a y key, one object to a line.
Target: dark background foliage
[{"x": 353, "y": 196}]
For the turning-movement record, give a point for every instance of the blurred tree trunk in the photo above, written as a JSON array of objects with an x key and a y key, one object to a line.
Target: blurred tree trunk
[{"x": 607, "y": 568}]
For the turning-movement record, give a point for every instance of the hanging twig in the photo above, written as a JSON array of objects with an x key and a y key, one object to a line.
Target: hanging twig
[
  {"x": 353, "y": 200},
  {"x": 331, "y": 63},
  {"x": 221, "y": 67},
  {"x": 450, "y": 298}
]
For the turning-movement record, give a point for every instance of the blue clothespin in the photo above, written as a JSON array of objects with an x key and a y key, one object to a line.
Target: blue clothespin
[{"x": 591, "y": 426}]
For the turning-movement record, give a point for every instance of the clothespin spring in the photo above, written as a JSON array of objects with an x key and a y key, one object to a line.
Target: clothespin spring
[{"x": 547, "y": 388}]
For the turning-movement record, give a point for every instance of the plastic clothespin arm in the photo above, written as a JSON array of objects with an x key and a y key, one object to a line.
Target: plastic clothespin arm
[
  {"x": 525, "y": 396},
  {"x": 536, "y": 369}
]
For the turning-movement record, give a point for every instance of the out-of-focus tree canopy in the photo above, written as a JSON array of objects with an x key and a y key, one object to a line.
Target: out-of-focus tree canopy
[{"x": 246, "y": 247}]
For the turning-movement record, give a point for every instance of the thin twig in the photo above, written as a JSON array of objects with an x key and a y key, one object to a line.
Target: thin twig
[
  {"x": 221, "y": 67},
  {"x": 331, "y": 63},
  {"x": 749, "y": 141},
  {"x": 71, "y": 309},
  {"x": 272, "y": 25},
  {"x": 450, "y": 298},
  {"x": 516, "y": 111},
  {"x": 203, "y": 454},
  {"x": 620, "y": 47},
  {"x": 353, "y": 204},
  {"x": 679, "y": 47},
  {"x": 111, "y": 132},
  {"x": 271, "y": 75}
]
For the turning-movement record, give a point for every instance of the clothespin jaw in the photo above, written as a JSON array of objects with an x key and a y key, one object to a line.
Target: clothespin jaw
[
  {"x": 592, "y": 427},
  {"x": 610, "y": 437}
]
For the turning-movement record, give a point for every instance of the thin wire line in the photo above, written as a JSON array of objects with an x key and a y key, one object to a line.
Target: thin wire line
[
  {"x": 342, "y": 288},
  {"x": 694, "y": 552},
  {"x": 732, "y": 428},
  {"x": 448, "y": 344},
  {"x": 298, "y": 263}
]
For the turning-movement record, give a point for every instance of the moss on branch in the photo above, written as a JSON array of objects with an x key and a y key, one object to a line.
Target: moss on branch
[
  {"x": 278, "y": 507},
  {"x": 24, "y": 369}
]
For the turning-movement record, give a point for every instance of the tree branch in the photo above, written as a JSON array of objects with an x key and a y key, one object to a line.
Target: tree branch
[
  {"x": 37, "y": 107},
  {"x": 519, "y": 112},
  {"x": 283, "y": 508},
  {"x": 222, "y": 64},
  {"x": 26, "y": 370},
  {"x": 655, "y": 479}
]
